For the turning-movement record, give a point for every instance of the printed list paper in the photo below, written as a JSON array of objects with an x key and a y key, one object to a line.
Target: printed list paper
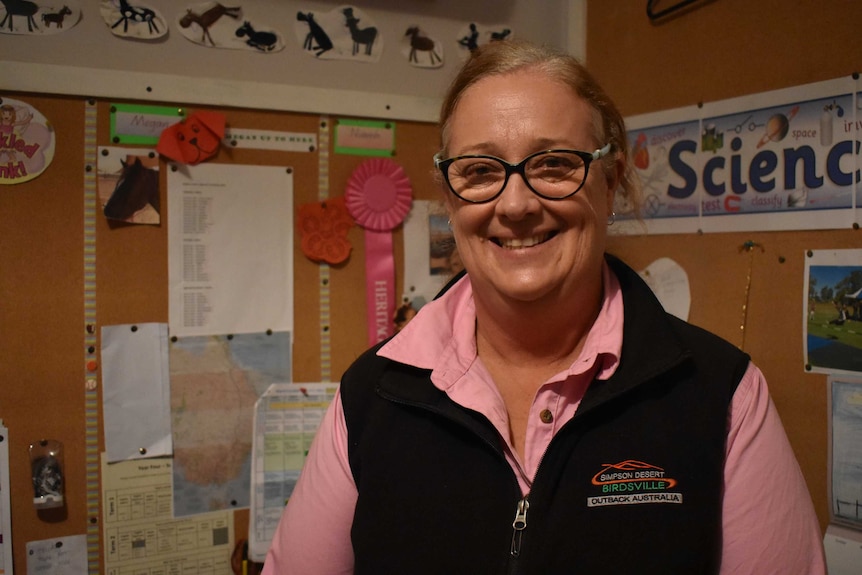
[{"x": 230, "y": 238}]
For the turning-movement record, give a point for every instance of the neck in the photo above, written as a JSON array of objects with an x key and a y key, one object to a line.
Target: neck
[{"x": 545, "y": 333}]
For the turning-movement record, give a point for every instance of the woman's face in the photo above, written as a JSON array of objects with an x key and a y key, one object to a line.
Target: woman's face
[{"x": 520, "y": 246}]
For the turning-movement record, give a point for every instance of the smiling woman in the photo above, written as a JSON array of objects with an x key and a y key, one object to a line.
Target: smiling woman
[{"x": 545, "y": 384}]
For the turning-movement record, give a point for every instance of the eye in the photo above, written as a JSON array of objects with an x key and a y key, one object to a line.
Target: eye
[
  {"x": 555, "y": 165},
  {"x": 477, "y": 171}
]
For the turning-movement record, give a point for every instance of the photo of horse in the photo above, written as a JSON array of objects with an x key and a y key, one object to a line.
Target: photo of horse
[{"x": 128, "y": 186}]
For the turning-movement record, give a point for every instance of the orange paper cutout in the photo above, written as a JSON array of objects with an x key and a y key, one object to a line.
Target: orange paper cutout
[
  {"x": 323, "y": 227},
  {"x": 194, "y": 139}
]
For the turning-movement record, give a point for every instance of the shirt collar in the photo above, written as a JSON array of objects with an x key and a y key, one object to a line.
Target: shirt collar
[{"x": 441, "y": 337}]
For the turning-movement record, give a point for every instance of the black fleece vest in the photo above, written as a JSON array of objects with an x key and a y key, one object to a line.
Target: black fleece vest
[{"x": 632, "y": 484}]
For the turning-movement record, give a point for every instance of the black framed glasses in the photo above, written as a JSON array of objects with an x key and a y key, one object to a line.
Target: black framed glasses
[{"x": 550, "y": 174}]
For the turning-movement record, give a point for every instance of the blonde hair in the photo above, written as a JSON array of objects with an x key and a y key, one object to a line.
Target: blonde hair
[{"x": 503, "y": 57}]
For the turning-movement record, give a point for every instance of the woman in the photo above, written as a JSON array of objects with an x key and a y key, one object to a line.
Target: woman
[{"x": 544, "y": 414}]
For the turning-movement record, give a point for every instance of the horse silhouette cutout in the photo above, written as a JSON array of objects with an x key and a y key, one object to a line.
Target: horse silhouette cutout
[
  {"x": 56, "y": 18},
  {"x": 136, "y": 15},
  {"x": 471, "y": 41},
  {"x": 208, "y": 18},
  {"x": 360, "y": 36},
  {"x": 317, "y": 40},
  {"x": 263, "y": 41},
  {"x": 419, "y": 43},
  {"x": 136, "y": 187},
  {"x": 20, "y": 8},
  {"x": 501, "y": 35}
]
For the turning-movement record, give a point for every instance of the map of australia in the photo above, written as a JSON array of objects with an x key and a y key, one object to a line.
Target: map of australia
[{"x": 215, "y": 381}]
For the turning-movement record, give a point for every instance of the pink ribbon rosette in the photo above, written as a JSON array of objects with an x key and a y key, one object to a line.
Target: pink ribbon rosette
[{"x": 378, "y": 196}]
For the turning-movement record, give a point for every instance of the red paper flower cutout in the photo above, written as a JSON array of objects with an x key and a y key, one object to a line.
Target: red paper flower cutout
[{"x": 323, "y": 227}]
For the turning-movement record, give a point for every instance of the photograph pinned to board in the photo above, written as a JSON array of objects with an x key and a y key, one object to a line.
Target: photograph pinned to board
[
  {"x": 215, "y": 25},
  {"x": 430, "y": 256},
  {"x": 344, "y": 33},
  {"x": 38, "y": 18},
  {"x": 421, "y": 49},
  {"x": 474, "y": 34},
  {"x": 832, "y": 321},
  {"x": 26, "y": 142},
  {"x": 128, "y": 185},
  {"x": 135, "y": 20}
]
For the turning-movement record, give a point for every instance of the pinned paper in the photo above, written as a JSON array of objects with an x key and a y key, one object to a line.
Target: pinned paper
[
  {"x": 669, "y": 282},
  {"x": 26, "y": 142},
  {"x": 324, "y": 226},
  {"x": 193, "y": 140},
  {"x": 60, "y": 556}
]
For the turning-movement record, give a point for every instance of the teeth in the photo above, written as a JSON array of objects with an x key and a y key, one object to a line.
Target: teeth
[{"x": 515, "y": 243}]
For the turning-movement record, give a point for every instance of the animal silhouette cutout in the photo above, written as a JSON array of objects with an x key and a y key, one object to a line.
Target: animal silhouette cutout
[
  {"x": 419, "y": 43},
  {"x": 20, "y": 8},
  {"x": 136, "y": 15},
  {"x": 136, "y": 187},
  {"x": 264, "y": 41},
  {"x": 501, "y": 35},
  {"x": 317, "y": 40},
  {"x": 209, "y": 17},
  {"x": 56, "y": 18},
  {"x": 471, "y": 41},
  {"x": 360, "y": 36}
]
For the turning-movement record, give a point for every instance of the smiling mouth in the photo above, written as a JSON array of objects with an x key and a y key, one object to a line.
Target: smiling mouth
[{"x": 519, "y": 243}]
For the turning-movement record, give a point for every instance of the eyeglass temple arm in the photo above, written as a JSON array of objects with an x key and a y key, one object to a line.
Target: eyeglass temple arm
[{"x": 602, "y": 152}]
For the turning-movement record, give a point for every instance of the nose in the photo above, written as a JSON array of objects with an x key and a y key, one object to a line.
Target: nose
[{"x": 517, "y": 200}]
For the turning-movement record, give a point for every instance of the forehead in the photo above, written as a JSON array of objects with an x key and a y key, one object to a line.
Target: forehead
[{"x": 521, "y": 105}]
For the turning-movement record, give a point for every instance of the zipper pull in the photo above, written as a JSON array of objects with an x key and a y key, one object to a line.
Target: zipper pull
[{"x": 519, "y": 524}]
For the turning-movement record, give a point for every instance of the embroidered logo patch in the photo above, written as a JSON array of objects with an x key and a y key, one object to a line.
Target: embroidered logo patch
[{"x": 632, "y": 482}]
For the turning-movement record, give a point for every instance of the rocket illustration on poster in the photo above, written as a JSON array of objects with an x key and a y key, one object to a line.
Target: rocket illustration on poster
[{"x": 26, "y": 142}]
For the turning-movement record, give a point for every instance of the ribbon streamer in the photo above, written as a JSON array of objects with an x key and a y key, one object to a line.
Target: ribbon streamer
[{"x": 379, "y": 196}]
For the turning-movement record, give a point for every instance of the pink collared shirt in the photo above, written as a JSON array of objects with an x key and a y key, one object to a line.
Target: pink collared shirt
[{"x": 769, "y": 524}]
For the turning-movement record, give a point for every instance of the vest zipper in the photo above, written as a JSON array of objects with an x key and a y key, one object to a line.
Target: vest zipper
[{"x": 518, "y": 526}]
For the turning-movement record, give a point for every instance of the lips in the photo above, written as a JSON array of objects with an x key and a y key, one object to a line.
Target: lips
[{"x": 520, "y": 243}]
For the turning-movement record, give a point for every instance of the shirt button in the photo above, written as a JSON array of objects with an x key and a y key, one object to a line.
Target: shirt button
[{"x": 546, "y": 416}]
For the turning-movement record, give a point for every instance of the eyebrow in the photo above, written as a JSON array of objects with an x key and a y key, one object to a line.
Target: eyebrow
[{"x": 490, "y": 148}]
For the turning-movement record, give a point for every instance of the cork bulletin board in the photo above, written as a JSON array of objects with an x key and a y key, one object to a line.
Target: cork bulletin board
[{"x": 68, "y": 271}]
